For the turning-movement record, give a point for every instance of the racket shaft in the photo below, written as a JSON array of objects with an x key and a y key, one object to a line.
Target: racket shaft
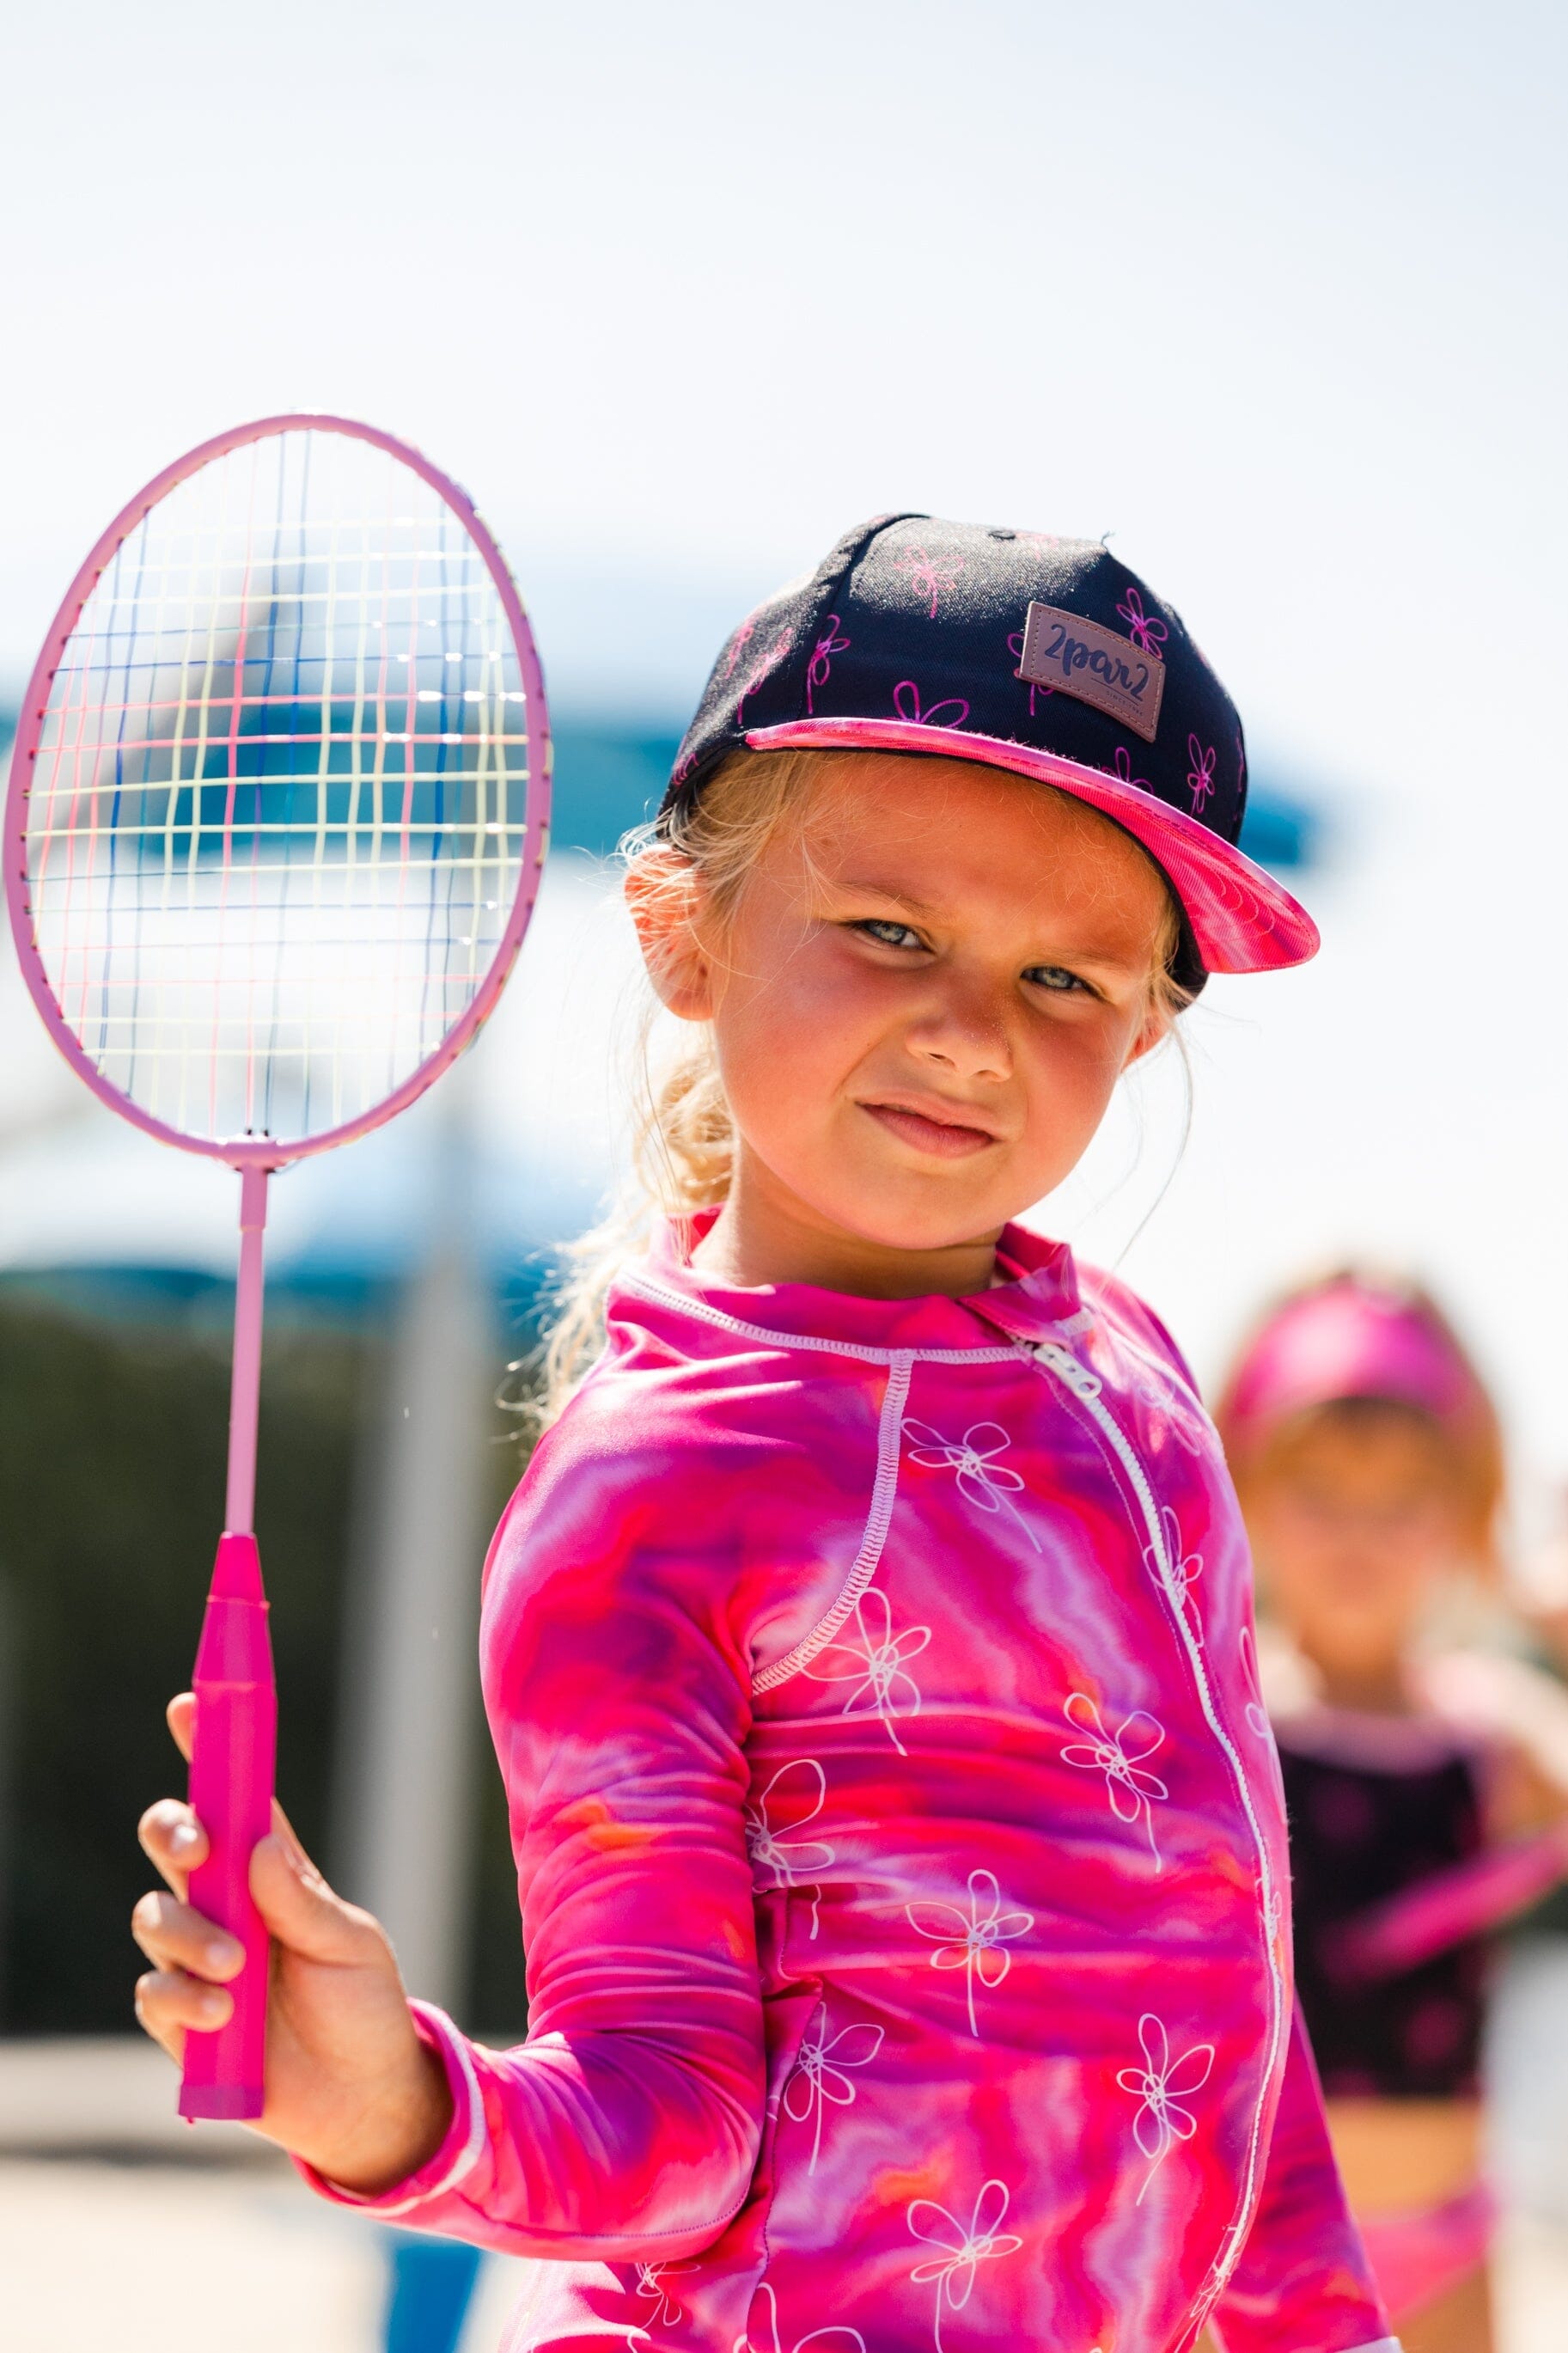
[{"x": 231, "y": 1793}]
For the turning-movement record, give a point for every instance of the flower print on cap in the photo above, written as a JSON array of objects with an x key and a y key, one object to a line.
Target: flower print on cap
[
  {"x": 837, "y": 2338},
  {"x": 819, "y": 668},
  {"x": 1200, "y": 773},
  {"x": 1146, "y": 633},
  {"x": 1119, "y": 1757},
  {"x": 788, "y": 1857},
  {"x": 1015, "y": 648},
  {"x": 1124, "y": 771},
  {"x": 961, "y": 2252},
  {"x": 975, "y": 1941},
  {"x": 907, "y": 703},
  {"x": 1161, "y": 2121},
  {"x": 929, "y": 576},
  {"x": 822, "y": 2072},
  {"x": 877, "y": 1666},
  {"x": 738, "y": 644},
  {"x": 982, "y": 1481},
  {"x": 762, "y": 668}
]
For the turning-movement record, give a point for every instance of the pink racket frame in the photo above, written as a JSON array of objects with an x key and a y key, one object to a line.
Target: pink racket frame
[
  {"x": 251, "y": 1152},
  {"x": 232, "y": 1761}
]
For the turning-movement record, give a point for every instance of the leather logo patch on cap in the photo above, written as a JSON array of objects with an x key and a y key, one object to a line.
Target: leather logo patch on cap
[{"x": 1079, "y": 658}]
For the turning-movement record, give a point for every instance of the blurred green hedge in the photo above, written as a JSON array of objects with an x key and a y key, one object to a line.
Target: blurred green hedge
[{"x": 112, "y": 1477}]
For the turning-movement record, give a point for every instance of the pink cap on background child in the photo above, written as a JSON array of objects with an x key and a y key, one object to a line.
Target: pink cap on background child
[{"x": 1349, "y": 1337}]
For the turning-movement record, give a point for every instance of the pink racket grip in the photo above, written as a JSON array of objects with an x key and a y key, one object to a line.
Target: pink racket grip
[{"x": 231, "y": 1792}]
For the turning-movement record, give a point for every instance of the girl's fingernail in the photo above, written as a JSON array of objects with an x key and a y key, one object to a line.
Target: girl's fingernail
[
  {"x": 212, "y": 2005},
  {"x": 183, "y": 1837},
  {"x": 223, "y": 1953}
]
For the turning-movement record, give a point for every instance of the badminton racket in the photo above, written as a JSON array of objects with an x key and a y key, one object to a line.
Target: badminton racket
[{"x": 277, "y": 814}]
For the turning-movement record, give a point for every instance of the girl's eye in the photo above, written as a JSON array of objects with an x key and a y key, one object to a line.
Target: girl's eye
[
  {"x": 886, "y": 935},
  {"x": 1056, "y": 976}
]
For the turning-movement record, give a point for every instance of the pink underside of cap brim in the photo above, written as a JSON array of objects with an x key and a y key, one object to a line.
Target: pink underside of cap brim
[{"x": 1242, "y": 920}]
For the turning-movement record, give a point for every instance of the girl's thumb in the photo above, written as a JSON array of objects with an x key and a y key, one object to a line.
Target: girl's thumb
[{"x": 302, "y": 1912}]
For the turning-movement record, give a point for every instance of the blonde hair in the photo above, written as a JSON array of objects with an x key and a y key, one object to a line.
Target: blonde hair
[{"x": 684, "y": 1140}]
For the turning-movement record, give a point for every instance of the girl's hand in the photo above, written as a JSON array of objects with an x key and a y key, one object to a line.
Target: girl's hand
[{"x": 351, "y": 2088}]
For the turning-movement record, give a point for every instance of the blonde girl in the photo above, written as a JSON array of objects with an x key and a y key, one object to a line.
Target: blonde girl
[{"x": 868, "y": 1646}]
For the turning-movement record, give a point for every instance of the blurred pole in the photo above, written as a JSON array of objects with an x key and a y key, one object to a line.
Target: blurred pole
[{"x": 402, "y": 1798}]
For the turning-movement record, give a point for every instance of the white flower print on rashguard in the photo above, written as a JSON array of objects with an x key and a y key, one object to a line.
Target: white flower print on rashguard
[
  {"x": 772, "y": 1841},
  {"x": 835, "y": 2338},
  {"x": 1119, "y": 1757},
  {"x": 960, "y": 2250},
  {"x": 1161, "y": 2120},
  {"x": 975, "y": 1941},
  {"x": 1177, "y": 1572},
  {"x": 982, "y": 1481},
  {"x": 878, "y": 1666},
  {"x": 1256, "y": 1721},
  {"x": 822, "y": 2072},
  {"x": 651, "y": 2279}
]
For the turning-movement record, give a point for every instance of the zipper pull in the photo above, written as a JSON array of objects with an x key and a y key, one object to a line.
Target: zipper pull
[{"x": 1061, "y": 1361}]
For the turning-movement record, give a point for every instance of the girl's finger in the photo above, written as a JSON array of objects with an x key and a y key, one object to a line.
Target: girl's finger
[
  {"x": 303, "y": 1914},
  {"x": 168, "y": 2003},
  {"x": 173, "y": 1840},
  {"x": 172, "y": 1936},
  {"x": 180, "y": 1714}
]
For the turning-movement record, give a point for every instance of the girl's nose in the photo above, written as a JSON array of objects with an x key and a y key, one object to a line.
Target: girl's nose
[{"x": 967, "y": 1035}]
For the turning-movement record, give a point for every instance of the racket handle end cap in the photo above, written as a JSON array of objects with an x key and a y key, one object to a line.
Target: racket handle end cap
[{"x": 221, "y": 2102}]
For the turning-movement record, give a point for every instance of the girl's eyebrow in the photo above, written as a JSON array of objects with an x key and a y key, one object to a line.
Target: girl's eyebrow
[{"x": 893, "y": 898}]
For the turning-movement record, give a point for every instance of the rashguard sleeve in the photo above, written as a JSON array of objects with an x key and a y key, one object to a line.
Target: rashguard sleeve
[
  {"x": 1304, "y": 2284},
  {"x": 627, "y": 2127}
]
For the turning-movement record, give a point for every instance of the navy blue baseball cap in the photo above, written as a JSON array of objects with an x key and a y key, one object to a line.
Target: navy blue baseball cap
[{"x": 1020, "y": 651}]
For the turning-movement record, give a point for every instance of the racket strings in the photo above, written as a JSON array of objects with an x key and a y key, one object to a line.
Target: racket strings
[{"x": 280, "y": 807}]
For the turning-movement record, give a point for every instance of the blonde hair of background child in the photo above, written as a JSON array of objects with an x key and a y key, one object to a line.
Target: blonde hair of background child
[{"x": 683, "y": 1141}]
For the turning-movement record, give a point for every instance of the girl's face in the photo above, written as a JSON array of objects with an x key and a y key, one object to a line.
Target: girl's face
[
  {"x": 1354, "y": 1526},
  {"x": 921, "y": 1009}
]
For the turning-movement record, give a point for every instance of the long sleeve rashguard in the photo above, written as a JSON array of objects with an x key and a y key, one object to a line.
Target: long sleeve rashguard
[{"x": 900, "y": 1849}]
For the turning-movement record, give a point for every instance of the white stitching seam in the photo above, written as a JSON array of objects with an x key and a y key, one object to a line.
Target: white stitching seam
[
  {"x": 1080, "y": 1382},
  {"x": 890, "y": 1441},
  {"x": 771, "y": 1339}
]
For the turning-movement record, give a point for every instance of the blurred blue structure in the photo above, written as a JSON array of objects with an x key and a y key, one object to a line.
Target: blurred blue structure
[
  {"x": 430, "y": 2284},
  {"x": 607, "y": 778}
]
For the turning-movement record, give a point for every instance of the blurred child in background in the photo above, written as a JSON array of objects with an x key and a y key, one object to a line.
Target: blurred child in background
[{"x": 1424, "y": 1774}]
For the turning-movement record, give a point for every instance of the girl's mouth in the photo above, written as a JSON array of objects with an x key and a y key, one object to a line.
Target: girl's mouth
[{"x": 943, "y": 1139}]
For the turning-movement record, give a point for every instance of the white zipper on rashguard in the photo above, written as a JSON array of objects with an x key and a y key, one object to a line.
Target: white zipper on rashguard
[{"x": 1075, "y": 1377}]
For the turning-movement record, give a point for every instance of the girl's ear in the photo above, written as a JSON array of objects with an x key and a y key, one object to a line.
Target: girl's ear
[
  {"x": 1158, "y": 1023},
  {"x": 664, "y": 895}
]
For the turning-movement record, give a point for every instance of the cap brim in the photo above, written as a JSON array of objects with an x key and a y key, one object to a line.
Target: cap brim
[{"x": 1242, "y": 920}]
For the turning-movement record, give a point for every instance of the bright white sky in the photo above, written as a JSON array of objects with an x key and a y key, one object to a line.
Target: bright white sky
[{"x": 1275, "y": 294}]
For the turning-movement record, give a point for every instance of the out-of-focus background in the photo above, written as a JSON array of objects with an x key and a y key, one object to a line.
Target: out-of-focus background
[{"x": 1274, "y": 297}]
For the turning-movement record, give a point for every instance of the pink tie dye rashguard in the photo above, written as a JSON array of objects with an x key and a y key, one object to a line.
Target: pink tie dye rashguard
[{"x": 900, "y": 1846}]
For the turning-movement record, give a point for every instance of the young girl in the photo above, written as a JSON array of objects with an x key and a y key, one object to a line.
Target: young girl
[
  {"x": 867, "y": 1649},
  {"x": 1369, "y": 1463}
]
